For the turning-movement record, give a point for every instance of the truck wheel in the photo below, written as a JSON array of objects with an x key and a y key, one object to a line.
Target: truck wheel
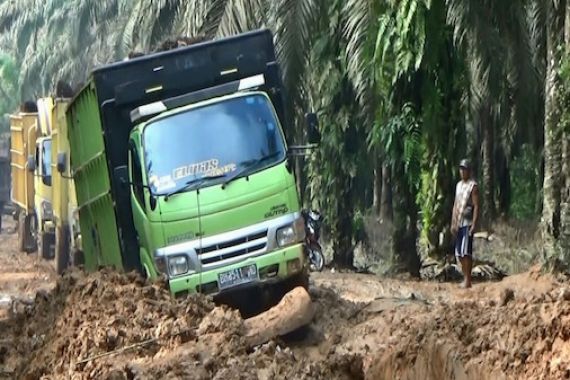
[
  {"x": 301, "y": 279},
  {"x": 28, "y": 234},
  {"x": 280, "y": 289},
  {"x": 62, "y": 254},
  {"x": 45, "y": 246},
  {"x": 22, "y": 237},
  {"x": 78, "y": 258}
]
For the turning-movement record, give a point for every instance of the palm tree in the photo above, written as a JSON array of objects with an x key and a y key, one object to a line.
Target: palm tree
[
  {"x": 495, "y": 38},
  {"x": 555, "y": 12}
]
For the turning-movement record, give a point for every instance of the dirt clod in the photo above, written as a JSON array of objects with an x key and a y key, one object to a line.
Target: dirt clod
[{"x": 507, "y": 295}]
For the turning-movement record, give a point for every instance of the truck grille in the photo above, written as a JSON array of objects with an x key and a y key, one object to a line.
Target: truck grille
[{"x": 230, "y": 249}]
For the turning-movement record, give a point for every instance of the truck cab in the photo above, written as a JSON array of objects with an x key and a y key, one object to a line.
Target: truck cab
[
  {"x": 213, "y": 196},
  {"x": 44, "y": 228},
  {"x": 39, "y": 164},
  {"x": 181, "y": 168}
]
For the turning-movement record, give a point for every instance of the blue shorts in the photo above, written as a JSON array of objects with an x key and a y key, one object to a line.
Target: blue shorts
[{"x": 464, "y": 243}]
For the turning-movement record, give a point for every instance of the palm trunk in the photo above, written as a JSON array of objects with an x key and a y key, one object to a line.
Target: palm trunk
[
  {"x": 565, "y": 192},
  {"x": 565, "y": 199},
  {"x": 552, "y": 132},
  {"x": 504, "y": 185},
  {"x": 377, "y": 202},
  {"x": 342, "y": 227},
  {"x": 488, "y": 166},
  {"x": 386, "y": 211},
  {"x": 405, "y": 256}
]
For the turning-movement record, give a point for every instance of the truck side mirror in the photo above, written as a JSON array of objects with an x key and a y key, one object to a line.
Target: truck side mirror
[
  {"x": 121, "y": 174},
  {"x": 313, "y": 128},
  {"x": 61, "y": 162},
  {"x": 31, "y": 164}
]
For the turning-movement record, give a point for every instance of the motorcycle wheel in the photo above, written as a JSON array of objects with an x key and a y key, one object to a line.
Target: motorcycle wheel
[{"x": 316, "y": 258}]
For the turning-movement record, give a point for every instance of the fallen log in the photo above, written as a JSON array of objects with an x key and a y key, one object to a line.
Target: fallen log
[{"x": 295, "y": 310}]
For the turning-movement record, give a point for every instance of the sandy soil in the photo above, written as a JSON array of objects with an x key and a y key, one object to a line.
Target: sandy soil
[
  {"x": 118, "y": 326},
  {"x": 21, "y": 275}
]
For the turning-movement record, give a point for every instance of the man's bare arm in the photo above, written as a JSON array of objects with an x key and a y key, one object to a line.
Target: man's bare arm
[{"x": 475, "y": 200}]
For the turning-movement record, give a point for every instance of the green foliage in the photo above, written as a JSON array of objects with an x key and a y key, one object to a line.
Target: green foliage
[
  {"x": 9, "y": 90},
  {"x": 393, "y": 81},
  {"x": 401, "y": 138},
  {"x": 526, "y": 184}
]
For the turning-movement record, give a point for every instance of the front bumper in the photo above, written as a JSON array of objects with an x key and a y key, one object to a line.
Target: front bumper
[{"x": 272, "y": 267}]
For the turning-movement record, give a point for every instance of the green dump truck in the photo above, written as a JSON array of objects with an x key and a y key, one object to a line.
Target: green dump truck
[{"x": 181, "y": 168}]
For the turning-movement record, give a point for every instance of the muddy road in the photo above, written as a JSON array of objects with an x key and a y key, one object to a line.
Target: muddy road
[
  {"x": 116, "y": 326},
  {"x": 21, "y": 275}
]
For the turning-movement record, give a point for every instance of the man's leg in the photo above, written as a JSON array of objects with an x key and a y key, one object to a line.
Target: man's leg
[
  {"x": 463, "y": 262},
  {"x": 467, "y": 267}
]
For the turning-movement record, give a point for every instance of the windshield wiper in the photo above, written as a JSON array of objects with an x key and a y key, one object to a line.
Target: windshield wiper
[
  {"x": 250, "y": 166},
  {"x": 192, "y": 184}
]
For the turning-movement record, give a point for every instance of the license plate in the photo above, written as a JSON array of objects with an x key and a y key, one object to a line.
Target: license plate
[{"x": 238, "y": 276}]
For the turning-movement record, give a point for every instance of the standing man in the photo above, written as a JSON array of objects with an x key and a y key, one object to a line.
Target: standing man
[{"x": 464, "y": 219}]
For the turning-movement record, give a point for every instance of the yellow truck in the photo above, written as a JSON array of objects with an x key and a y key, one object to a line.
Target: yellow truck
[
  {"x": 23, "y": 145},
  {"x": 65, "y": 211},
  {"x": 40, "y": 165}
]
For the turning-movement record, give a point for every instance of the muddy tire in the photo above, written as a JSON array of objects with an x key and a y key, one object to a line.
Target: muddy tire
[
  {"x": 22, "y": 239},
  {"x": 62, "y": 253},
  {"x": 78, "y": 258},
  {"x": 301, "y": 279},
  {"x": 45, "y": 245},
  {"x": 26, "y": 240},
  {"x": 280, "y": 289}
]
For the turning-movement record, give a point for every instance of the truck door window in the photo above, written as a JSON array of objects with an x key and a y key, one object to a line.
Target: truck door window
[
  {"x": 136, "y": 176},
  {"x": 38, "y": 158},
  {"x": 46, "y": 162}
]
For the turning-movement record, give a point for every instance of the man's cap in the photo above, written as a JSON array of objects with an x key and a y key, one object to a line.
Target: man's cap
[{"x": 465, "y": 164}]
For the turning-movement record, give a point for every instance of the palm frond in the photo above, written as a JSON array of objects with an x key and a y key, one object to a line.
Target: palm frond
[{"x": 359, "y": 23}]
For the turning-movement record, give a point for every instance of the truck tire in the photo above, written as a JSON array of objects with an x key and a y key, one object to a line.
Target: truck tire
[
  {"x": 78, "y": 258},
  {"x": 26, "y": 236},
  {"x": 301, "y": 279},
  {"x": 62, "y": 253},
  {"x": 45, "y": 245},
  {"x": 22, "y": 237}
]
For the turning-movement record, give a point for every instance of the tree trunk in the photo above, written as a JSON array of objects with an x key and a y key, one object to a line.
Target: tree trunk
[
  {"x": 488, "y": 167},
  {"x": 342, "y": 232},
  {"x": 565, "y": 191},
  {"x": 405, "y": 256},
  {"x": 377, "y": 202},
  {"x": 504, "y": 184},
  {"x": 386, "y": 209},
  {"x": 565, "y": 200},
  {"x": 552, "y": 135}
]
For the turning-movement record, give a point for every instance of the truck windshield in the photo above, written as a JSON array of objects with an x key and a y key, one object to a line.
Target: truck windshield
[{"x": 214, "y": 140}]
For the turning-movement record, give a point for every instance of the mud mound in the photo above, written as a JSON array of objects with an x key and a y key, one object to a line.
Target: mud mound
[
  {"x": 503, "y": 338},
  {"x": 114, "y": 326},
  {"x": 85, "y": 316}
]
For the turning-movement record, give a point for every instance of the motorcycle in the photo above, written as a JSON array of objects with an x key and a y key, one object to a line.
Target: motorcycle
[{"x": 312, "y": 233}]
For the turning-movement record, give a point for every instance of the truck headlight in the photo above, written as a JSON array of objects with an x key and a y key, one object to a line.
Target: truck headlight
[
  {"x": 178, "y": 265},
  {"x": 291, "y": 234}
]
